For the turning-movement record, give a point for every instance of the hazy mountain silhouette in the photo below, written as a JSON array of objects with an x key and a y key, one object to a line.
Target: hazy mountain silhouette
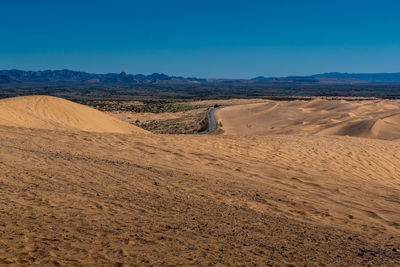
[
  {"x": 339, "y": 77},
  {"x": 69, "y": 76},
  {"x": 10, "y": 76}
]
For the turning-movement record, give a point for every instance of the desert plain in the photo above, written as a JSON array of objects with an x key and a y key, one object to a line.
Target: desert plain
[{"x": 281, "y": 183}]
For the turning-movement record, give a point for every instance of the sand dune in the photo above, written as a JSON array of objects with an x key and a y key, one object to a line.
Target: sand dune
[
  {"x": 379, "y": 119},
  {"x": 46, "y": 112},
  {"x": 104, "y": 199},
  {"x": 84, "y": 198}
]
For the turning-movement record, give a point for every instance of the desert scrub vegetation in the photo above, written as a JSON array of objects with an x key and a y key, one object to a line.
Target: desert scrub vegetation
[
  {"x": 189, "y": 124},
  {"x": 204, "y": 126},
  {"x": 143, "y": 106},
  {"x": 188, "y": 118}
]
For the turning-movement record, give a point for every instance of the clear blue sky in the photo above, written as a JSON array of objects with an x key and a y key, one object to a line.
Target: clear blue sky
[{"x": 205, "y": 38}]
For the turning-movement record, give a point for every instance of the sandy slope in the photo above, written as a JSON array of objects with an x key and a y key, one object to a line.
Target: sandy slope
[
  {"x": 46, "y": 112},
  {"x": 371, "y": 119},
  {"x": 85, "y": 198}
]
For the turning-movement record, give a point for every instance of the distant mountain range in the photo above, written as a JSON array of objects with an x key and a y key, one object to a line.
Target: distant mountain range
[
  {"x": 337, "y": 77},
  {"x": 69, "y": 76}
]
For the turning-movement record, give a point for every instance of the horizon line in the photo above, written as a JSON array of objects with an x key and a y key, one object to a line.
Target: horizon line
[{"x": 197, "y": 77}]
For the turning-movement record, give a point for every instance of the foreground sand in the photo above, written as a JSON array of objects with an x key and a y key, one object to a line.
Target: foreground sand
[
  {"x": 378, "y": 119},
  {"x": 84, "y": 198}
]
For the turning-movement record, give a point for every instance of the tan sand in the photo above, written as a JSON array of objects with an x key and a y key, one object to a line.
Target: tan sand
[
  {"x": 46, "y": 112},
  {"x": 378, "y": 119},
  {"x": 84, "y": 198}
]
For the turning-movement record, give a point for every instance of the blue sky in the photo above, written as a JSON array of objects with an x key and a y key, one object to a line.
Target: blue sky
[{"x": 227, "y": 39}]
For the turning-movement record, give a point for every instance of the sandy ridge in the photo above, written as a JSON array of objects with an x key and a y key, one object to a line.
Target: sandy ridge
[{"x": 46, "y": 112}]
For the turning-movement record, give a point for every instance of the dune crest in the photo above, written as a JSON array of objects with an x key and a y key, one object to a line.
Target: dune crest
[{"x": 47, "y": 112}]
